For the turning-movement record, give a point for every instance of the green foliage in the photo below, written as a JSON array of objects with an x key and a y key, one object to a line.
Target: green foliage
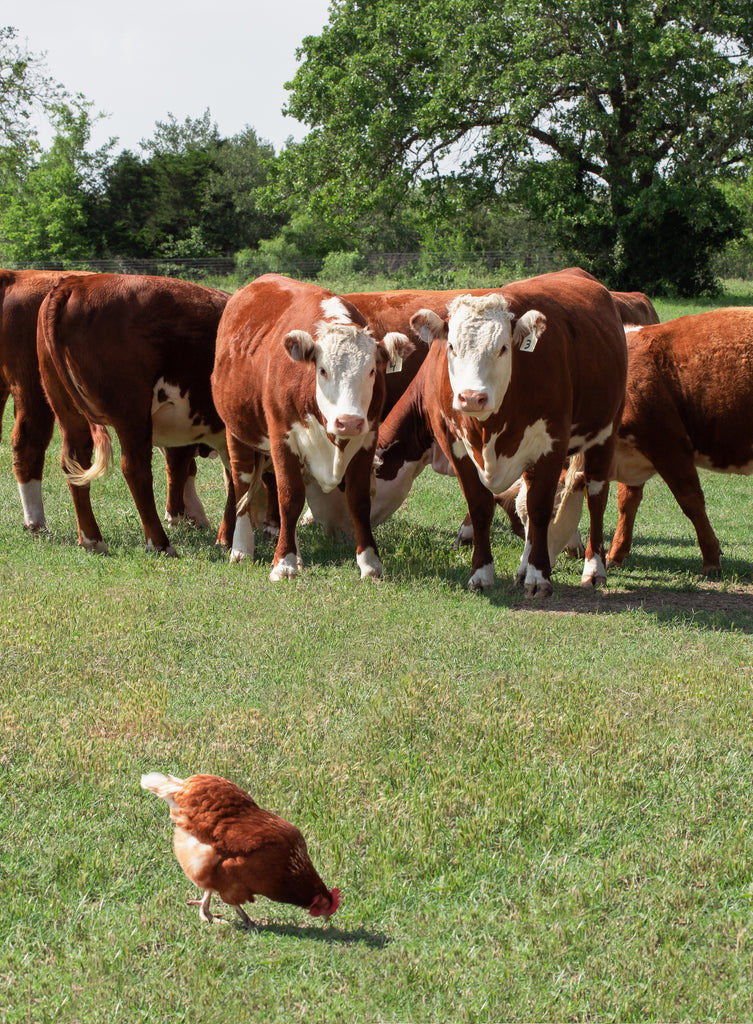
[
  {"x": 44, "y": 205},
  {"x": 578, "y": 111},
  {"x": 25, "y": 87}
]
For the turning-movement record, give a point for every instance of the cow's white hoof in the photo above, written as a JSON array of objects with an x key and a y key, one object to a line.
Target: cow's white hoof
[
  {"x": 286, "y": 569},
  {"x": 594, "y": 573},
  {"x": 370, "y": 564},
  {"x": 98, "y": 547},
  {"x": 482, "y": 578}
]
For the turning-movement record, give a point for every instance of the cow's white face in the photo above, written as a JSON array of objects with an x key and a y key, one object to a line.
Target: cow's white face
[
  {"x": 479, "y": 353},
  {"x": 480, "y": 339},
  {"x": 345, "y": 361},
  {"x": 345, "y": 358}
]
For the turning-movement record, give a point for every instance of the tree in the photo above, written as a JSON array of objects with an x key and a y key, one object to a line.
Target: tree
[
  {"x": 43, "y": 205},
  {"x": 25, "y": 89},
  {"x": 592, "y": 113}
]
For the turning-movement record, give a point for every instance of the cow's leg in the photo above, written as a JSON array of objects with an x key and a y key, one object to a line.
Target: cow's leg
[
  {"x": 247, "y": 466},
  {"x": 227, "y": 526},
  {"x": 480, "y": 501},
  {"x": 291, "y": 497},
  {"x": 183, "y": 502},
  {"x": 535, "y": 570},
  {"x": 136, "y": 464},
  {"x": 681, "y": 477},
  {"x": 628, "y": 499},
  {"x": 358, "y": 496},
  {"x": 597, "y": 461},
  {"x": 272, "y": 515},
  {"x": 32, "y": 433}
]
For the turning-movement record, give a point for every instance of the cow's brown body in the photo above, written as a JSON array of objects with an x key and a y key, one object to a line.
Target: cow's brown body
[
  {"x": 570, "y": 387},
  {"x": 267, "y": 391},
  {"x": 134, "y": 353},
  {"x": 688, "y": 404}
]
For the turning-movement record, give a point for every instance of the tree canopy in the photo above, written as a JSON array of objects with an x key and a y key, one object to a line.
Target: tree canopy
[{"x": 612, "y": 121}]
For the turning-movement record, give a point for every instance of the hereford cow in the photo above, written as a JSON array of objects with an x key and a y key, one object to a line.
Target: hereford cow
[
  {"x": 688, "y": 404},
  {"x": 521, "y": 379},
  {"x": 392, "y": 311},
  {"x": 299, "y": 381},
  {"x": 21, "y": 295},
  {"x": 134, "y": 353}
]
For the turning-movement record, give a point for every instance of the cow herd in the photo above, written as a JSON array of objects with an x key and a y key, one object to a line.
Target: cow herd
[{"x": 546, "y": 389}]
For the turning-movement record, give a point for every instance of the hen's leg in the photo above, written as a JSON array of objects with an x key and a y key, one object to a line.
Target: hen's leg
[
  {"x": 203, "y": 904},
  {"x": 243, "y": 915}
]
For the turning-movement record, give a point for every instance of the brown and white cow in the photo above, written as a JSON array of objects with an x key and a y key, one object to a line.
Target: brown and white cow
[
  {"x": 21, "y": 295},
  {"x": 392, "y": 311},
  {"x": 522, "y": 378},
  {"x": 134, "y": 353},
  {"x": 300, "y": 381},
  {"x": 688, "y": 404}
]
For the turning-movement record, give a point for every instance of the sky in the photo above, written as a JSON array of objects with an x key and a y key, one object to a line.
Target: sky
[{"x": 140, "y": 60}]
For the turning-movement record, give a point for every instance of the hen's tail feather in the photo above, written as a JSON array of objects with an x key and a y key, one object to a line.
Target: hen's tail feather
[{"x": 163, "y": 785}]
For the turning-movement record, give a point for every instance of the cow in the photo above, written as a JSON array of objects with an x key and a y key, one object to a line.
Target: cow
[
  {"x": 300, "y": 381},
  {"x": 21, "y": 295},
  {"x": 392, "y": 311},
  {"x": 688, "y": 404},
  {"x": 520, "y": 379},
  {"x": 134, "y": 353}
]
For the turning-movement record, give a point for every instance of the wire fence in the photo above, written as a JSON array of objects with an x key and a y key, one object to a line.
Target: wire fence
[
  {"x": 737, "y": 263},
  {"x": 253, "y": 264}
]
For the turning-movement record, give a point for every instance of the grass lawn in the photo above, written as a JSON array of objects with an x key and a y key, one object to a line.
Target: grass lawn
[{"x": 534, "y": 812}]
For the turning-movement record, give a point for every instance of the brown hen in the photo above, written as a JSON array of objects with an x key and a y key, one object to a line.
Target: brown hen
[{"x": 228, "y": 845}]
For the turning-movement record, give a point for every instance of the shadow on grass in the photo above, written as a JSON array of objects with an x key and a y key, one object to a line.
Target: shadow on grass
[
  {"x": 317, "y": 933},
  {"x": 667, "y": 587}
]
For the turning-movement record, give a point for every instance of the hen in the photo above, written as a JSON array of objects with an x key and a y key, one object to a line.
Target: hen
[{"x": 228, "y": 845}]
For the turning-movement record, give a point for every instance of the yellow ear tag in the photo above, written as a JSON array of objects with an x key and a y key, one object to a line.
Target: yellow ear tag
[
  {"x": 528, "y": 344},
  {"x": 395, "y": 366}
]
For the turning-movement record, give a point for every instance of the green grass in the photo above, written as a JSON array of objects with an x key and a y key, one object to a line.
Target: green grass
[{"x": 535, "y": 812}]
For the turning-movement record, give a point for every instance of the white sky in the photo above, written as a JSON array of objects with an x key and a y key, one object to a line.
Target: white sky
[{"x": 139, "y": 60}]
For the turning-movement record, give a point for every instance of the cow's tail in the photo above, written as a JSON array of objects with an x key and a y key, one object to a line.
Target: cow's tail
[
  {"x": 47, "y": 334},
  {"x": 103, "y": 458},
  {"x": 563, "y": 529}
]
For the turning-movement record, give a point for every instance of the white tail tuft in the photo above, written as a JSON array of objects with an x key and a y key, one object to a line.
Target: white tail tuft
[{"x": 163, "y": 785}]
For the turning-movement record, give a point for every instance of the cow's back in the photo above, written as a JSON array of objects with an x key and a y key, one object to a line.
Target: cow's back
[{"x": 694, "y": 374}]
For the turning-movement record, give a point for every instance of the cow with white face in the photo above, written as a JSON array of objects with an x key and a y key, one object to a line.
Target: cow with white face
[
  {"x": 520, "y": 380},
  {"x": 300, "y": 379}
]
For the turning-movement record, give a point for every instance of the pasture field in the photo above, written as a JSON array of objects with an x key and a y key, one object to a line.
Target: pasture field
[{"x": 534, "y": 811}]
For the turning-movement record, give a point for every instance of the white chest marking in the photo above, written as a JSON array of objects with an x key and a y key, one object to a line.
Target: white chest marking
[
  {"x": 497, "y": 472},
  {"x": 322, "y": 460}
]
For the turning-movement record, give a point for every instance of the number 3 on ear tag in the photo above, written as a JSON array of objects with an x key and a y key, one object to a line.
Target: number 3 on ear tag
[{"x": 528, "y": 344}]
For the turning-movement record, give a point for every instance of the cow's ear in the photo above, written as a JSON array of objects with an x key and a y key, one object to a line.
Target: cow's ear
[
  {"x": 428, "y": 326},
  {"x": 528, "y": 330},
  {"x": 393, "y": 349},
  {"x": 300, "y": 346}
]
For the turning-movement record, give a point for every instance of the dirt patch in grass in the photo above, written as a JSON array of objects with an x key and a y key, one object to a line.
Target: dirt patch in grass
[{"x": 730, "y": 603}]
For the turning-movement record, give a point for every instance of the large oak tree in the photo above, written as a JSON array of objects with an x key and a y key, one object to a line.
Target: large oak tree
[{"x": 610, "y": 120}]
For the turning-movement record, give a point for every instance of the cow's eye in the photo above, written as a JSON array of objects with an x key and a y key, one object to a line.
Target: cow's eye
[
  {"x": 503, "y": 350},
  {"x": 372, "y": 372},
  {"x": 450, "y": 349},
  {"x": 322, "y": 372}
]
